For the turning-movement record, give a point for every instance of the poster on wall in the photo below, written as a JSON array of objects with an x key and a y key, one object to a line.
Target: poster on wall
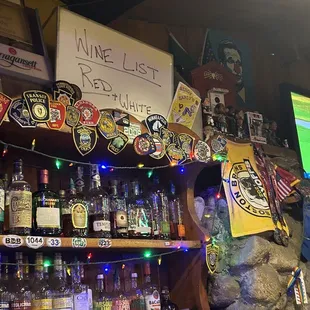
[
  {"x": 111, "y": 69},
  {"x": 236, "y": 58}
]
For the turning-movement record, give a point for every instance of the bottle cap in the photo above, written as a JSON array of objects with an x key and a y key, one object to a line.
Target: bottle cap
[
  {"x": 147, "y": 269},
  {"x": 44, "y": 176},
  {"x": 134, "y": 275},
  {"x": 100, "y": 276},
  {"x": 62, "y": 193}
]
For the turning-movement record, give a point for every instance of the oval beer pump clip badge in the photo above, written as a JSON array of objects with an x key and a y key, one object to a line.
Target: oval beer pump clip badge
[
  {"x": 89, "y": 113},
  {"x": 38, "y": 103}
]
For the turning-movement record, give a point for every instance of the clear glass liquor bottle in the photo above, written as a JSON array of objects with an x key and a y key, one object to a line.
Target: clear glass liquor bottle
[
  {"x": 2, "y": 205},
  {"x": 79, "y": 290},
  {"x": 119, "y": 301},
  {"x": 64, "y": 208},
  {"x": 21, "y": 295},
  {"x": 27, "y": 284},
  {"x": 99, "y": 207},
  {"x": 102, "y": 300},
  {"x": 20, "y": 200},
  {"x": 118, "y": 214},
  {"x": 150, "y": 292},
  {"x": 46, "y": 208},
  {"x": 41, "y": 291},
  {"x": 62, "y": 295},
  {"x": 137, "y": 301},
  {"x": 4, "y": 290},
  {"x": 177, "y": 227},
  {"x": 6, "y": 225},
  {"x": 166, "y": 303},
  {"x": 140, "y": 215}
]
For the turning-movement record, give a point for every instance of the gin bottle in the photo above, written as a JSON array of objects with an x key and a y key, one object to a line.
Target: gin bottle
[
  {"x": 139, "y": 214},
  {"x": 99, "y": 207},
  {"x": 20, "y": 200}
]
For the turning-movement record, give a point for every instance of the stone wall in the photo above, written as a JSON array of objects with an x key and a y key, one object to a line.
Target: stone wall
[{"x": 253, "y": 271}]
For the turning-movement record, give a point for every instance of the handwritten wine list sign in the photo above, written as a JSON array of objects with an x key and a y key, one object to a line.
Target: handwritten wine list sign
[{"x": 112, "y": 69}]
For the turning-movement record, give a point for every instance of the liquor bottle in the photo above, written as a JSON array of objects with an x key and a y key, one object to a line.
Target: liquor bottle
[
  {"x": 119, "y": 301},
  {"x": 6, "y": 224},
  {"x": 99, "y": 207},
  {"x": 155, "y": 204},
  {"x": 62, "y": 295},
  {"x": 137, "y": 301},
  {"x": 21, "y": 295},
  {"x": 79, "y": 290},
  {"x": 139, "y": 214},
  {"x": 27, "y": 284},
  {"x": 102, "y": 300},
  {"x": 20, "y": 197},
  {"x": 177, "y": 227},
  {"x": 64, "y": 207},
  {"x": 4, "y": 293},
  {"x": 2, "y": 205},
  {"x": 41, "y": 292},
  {"x": 75, "y": 223},
  {"x": 118, "y": 214},
  {"x": 89, "y": 290},
  {"x": 46, "y": 208},
  {"x": 166, "y": 303},
  {"x": 150, "y": 292}
]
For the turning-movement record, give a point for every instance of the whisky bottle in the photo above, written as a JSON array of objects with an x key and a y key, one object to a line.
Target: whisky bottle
[
  {"x": 62, "y": 295},
  {"x": 150, "y": 292},
  {"x": 102, "y": 300},
  {"x": 139, "y": 214},
  {"x": 79, "y": 290},
  {"x": 177, "y": 227},
  {"x": 46, "y": 208},
  {"x": 99, "y": 207},
  {"x": 166, "y": 303},
  {"x": 41, "y": 292},
  {"x": 119, "y": 300},
  {"x": 21, "y": 295},
  {"x": 4, "y": 290},
  {"x": 75, "y": 223},
  {"x": 137, "y": 301},
  {"x": 20, "y": 200},
  {"x": 118, "y": 214}
]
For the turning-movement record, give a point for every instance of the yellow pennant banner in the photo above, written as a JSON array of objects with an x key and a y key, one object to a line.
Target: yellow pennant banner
[{"x": 247, "y": 200}]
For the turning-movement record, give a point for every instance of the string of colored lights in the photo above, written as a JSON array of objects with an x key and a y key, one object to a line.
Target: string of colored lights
[
  {"x": 146, "y": 255},
  {"x": 103, "y": 166}
]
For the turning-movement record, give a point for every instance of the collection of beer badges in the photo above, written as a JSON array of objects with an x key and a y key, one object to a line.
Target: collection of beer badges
[{"x": 65, "y": 106}]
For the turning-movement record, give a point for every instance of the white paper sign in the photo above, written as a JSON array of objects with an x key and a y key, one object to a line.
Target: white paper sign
[{"x": 112, "y": 69}]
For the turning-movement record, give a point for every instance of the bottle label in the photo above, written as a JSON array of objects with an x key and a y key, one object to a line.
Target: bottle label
[
  {"x": 103, "y": 305},
  {"x": 4, "y": 305},
  {"x": 81, "y": 301},
  {"x": 42, "y": 304},
  {"x": 48, "y": 217},
  {"x": 21, "y": 305},
  {"x": 79, "y": 215},
  {"x": 102, "y": 225},
  {"x": 181, "y": 230},
  {"x": 153, "y": 301},
  {"x": 63, "y": 303},
  {"x": 139, "y": 222},
  {"x": 121, "y": 221},
  {"x": 165, "y": 227},
  {"x": 2, "y": 203},
  {"x": 120, "y": 304},
  {"x": 20, "y": 209}
]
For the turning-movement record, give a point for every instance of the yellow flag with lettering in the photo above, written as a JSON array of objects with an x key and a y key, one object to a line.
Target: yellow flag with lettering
[{"x": 249, "y": 211}]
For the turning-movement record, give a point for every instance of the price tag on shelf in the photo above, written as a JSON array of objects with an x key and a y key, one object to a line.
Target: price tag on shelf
[
  {"x": 34, "y": 242},
  {"x": 168, "y": 243},
  {"x": 79, "y": 242},
  {"x": 53, "y": 242},
  {"x": 104, "y": 243},
  {"x": 12, "y": 241}
]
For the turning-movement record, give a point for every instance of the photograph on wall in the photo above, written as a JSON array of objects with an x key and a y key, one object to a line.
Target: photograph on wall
[{"x": 235, "y": 56}]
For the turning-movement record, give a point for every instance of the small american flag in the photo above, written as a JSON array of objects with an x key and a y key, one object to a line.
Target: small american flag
[{"x": 285, "y": 182}]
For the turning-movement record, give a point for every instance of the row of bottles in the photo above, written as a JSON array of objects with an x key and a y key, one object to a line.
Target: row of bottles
[
  {"x": 125, "y": 212},
  {"x": 57, "y": 292}
]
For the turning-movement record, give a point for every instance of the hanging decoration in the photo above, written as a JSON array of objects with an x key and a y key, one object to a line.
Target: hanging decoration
[{"x": 212, "y": 255}]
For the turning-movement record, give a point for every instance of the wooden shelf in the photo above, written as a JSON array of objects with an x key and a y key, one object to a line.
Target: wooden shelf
[{"x": 36, "y": 242}]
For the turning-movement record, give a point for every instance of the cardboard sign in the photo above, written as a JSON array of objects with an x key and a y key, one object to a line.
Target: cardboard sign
[{"x": 184, "y": 106}]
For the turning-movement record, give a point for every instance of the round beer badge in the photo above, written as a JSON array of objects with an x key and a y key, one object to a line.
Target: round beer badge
[{"x": 202, "y": 151}]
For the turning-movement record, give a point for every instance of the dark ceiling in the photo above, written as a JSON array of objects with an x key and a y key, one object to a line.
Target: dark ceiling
[{"x": 101, "y": 11}]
